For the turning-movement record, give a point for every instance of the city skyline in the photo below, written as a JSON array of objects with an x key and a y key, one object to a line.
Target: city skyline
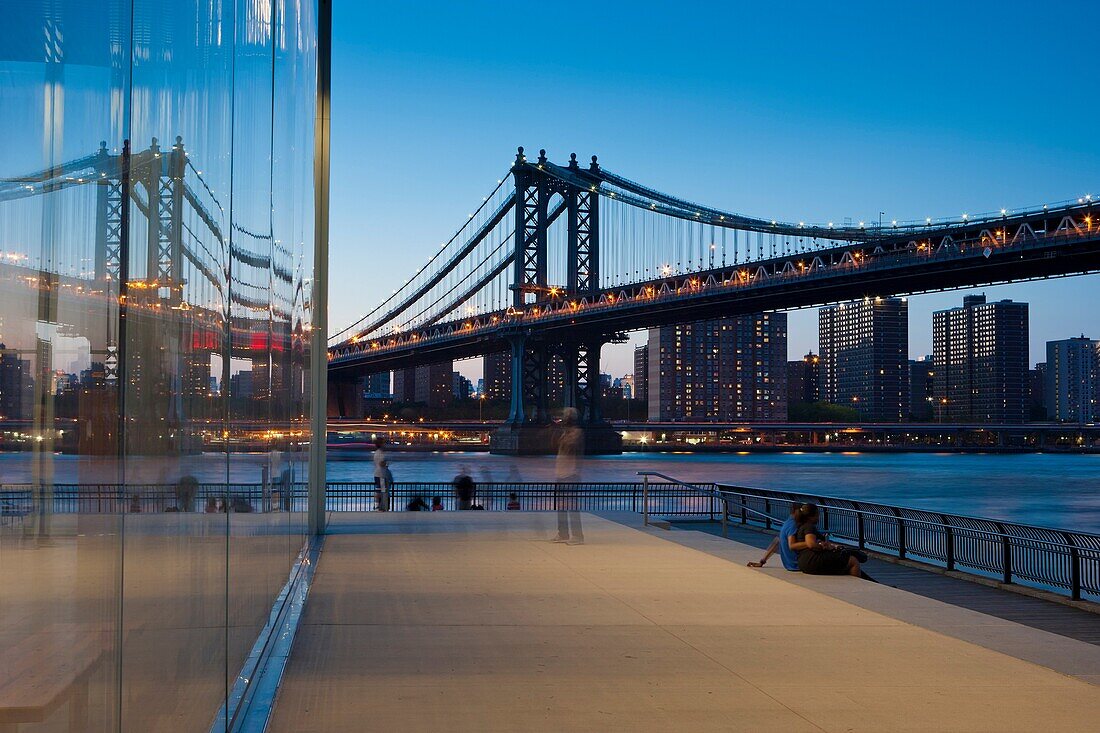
[{"x": 739, "y": 126}]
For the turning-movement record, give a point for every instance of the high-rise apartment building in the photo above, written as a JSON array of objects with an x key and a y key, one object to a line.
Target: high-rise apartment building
[
  {"x": 721, "y": 370},
  {"x": 802, "y": 379},
  {"x": 431, "y": 385},
  {"x": 498, "y": 376},
  {"x": 864, "y": 364},
  {"x": 641, "y": 372},
  {"x": 377, "y": 386},
  {"x": 1073, "y": 380},
  {"x": 1037, "y": 382},
  {"x": 921, "y": 393},
  {"x": 980, "y": 355}
]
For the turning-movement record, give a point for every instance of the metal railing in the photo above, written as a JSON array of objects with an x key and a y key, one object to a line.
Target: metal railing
[{"x": 1061, "y": 560}]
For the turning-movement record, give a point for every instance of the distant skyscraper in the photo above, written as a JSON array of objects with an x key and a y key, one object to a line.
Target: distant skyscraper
[
  {"x": 723, "y": 370},
  {"x": 430, "y": 385},
  {"x": 377, "y": 386},
  {"x": 1037, "y": 381},
  {"x": 241, "y": 384},
  {"x": 16, "y": 385},
  {"x": 980, "y": 361},
  {"x": 498, "y": 376},
  {"x": 641, "y": 372},
  {"x": 435, "y": 384},
  {"x": 1073, "y": 380},
  {"x": 460, "y": 386},
  {"x": 404, "y": 385},
  {"x": 802, "y": 379},
  {"x": 865, "y": 357},
  {"x": 627, "y": 383},
  {"x": 921, "y": 392}
]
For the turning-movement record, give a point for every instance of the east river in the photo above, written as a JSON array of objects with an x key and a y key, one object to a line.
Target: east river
[{"x": 1056, "y": 490}]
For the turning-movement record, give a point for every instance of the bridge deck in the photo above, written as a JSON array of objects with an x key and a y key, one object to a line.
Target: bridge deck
[{"x": 476, "y": 622}]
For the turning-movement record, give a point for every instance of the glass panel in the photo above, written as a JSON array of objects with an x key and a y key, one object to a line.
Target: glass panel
[
  {"x": 175, "y": 334},
  {"x": 64, "y": 112},
  {"x": 156, "y": 214}
]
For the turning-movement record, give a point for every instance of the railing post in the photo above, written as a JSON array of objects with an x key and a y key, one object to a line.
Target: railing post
[
  {"x": 768, "y": 511},
  {"x": 1006, "y": 554},
  {"x": 725, "y": 517},
  {"x": 859, "y": 529},
  {"x": 744, "y": 514},
  {"x": 901, "y": 532},
  {"x": 1074, "y": 567},
  {"x": 949, "y": 542},
  {"x": 645, "y": 501}
]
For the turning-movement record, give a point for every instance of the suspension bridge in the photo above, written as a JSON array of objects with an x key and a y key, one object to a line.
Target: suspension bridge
[
  {"x": 139, "y": 254},
  {"x": 561, "y": 259}
]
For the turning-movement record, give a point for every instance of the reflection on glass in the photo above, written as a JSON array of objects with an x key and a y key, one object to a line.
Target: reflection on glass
[{"x": 155, "y": 211}]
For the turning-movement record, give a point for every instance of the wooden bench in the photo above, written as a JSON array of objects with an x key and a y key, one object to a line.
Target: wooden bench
[{"x": 44, "y": 669}]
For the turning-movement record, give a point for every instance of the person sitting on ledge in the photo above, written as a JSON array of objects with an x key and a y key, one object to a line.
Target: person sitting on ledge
[
  {"x": 785, "y": 543},
  {"x": 513, "y": 502},
  {"x": 820, "y": 556},
  {"x": 416, "y": 504},
  {"x": 437, "y": 503}
]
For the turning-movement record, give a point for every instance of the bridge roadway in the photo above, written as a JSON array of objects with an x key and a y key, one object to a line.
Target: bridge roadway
[
  {"x": 1029, "y": 246},
  {"x": 473, "y": 621}
]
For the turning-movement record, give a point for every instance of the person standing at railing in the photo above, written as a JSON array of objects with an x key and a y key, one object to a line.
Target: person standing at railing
[
  {"x": 567, "y": 471},
  {"x": 383, "y": 478},
  {"x": 464, "y": 489},
  {"x": 786, "y": 544}
]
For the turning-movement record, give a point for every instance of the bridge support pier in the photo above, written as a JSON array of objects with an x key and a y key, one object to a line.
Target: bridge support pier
[{"x": 529, "y": 430}]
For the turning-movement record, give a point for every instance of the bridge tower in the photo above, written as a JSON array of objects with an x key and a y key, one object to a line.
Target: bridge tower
[{"x": 540, "y": 198}]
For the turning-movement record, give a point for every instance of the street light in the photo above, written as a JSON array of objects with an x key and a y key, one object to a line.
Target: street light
[{"x": 480, "y": 407}]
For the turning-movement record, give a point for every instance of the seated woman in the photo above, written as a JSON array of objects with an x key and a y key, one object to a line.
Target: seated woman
[{"x": 818, "y": 556}]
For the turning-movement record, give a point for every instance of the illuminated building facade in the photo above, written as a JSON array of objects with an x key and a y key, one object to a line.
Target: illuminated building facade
[
  {"x": 722, "y": 370},
  {"x": 864, "y": 364}
]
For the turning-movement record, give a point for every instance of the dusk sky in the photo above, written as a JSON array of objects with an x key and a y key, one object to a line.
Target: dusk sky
[{"x": 800, "y": 112}]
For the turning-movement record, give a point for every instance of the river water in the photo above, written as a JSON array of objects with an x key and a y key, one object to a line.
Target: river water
[{"x": 1053, "y": 490}]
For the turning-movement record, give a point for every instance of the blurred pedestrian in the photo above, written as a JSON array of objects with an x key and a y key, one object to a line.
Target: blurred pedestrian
[
  {"x": 383, "y": 478},
  {"x": 416, "y": 504},
  {"x": 513, "y": 502},
  {"x": 186, "y": 488},
  {"x": 464, "y": 489},
  {"x": 567, "y": 472}
]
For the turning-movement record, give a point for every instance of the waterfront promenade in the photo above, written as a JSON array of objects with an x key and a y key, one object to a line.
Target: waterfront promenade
[{"x": 476, "y": 622}]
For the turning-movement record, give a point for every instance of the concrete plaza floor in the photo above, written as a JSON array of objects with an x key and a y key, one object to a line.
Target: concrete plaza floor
[{"x": 476, "y": 622}]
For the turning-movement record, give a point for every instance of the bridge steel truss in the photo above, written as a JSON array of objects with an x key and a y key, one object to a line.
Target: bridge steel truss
[
  {"x": 574, "y": 321},
  {"x": 124, "y": 291},
  {"x": 540, "y": 198}
]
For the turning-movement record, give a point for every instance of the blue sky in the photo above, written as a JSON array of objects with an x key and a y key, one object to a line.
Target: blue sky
[{"x": 794, "y": 111}]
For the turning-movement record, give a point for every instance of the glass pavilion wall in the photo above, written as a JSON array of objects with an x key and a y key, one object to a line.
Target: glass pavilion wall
[{"x": 156, "y": 270}]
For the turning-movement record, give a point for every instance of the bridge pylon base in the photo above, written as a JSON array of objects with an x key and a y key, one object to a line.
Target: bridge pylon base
[{"x": 542, "y": 440}]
